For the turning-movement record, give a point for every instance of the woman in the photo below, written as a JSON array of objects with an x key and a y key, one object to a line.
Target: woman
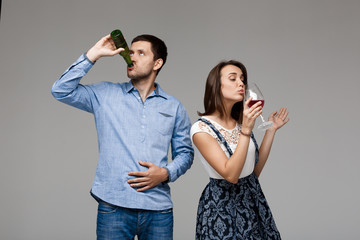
[{"x": 233, "y": 206}]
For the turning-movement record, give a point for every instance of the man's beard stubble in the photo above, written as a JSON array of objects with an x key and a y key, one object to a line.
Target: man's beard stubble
[{"x": 138, "y": 76}]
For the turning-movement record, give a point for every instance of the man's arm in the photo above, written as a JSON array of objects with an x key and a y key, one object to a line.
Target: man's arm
[
  {"x": 181, "y": 146},
  {"x": 68, "y": 88}
]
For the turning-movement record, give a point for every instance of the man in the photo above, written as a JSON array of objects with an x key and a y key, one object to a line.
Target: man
[{"x": 136, "y": 122}]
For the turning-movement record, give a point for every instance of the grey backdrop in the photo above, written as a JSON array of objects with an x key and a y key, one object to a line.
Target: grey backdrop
[{"x": 305, "y": 55}]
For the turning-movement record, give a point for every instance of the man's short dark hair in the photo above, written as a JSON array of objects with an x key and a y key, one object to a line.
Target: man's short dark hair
[{"x": 158, "y": 47}]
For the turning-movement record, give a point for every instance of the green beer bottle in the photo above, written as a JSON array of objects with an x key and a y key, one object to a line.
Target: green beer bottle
[{"x": 120, "y": 42}]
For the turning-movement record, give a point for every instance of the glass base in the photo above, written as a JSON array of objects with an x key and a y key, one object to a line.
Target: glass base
[{"x": 265, "y": 125}]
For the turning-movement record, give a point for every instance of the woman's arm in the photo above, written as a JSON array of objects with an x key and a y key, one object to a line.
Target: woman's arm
[
  {"x": 279, "y": 120},
  {"x": 230, "y": 169}
]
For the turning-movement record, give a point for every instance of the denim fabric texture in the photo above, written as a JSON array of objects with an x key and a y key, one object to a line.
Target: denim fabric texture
[
  {"x": 114, "y": 223},
  {"x": 130, "y": 130}
]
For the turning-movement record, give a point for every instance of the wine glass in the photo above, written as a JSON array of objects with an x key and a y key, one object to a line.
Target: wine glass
[{"x": 254, "y": 92}]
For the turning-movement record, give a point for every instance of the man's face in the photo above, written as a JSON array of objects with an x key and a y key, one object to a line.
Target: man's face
[{"x": 143, "y": 60}]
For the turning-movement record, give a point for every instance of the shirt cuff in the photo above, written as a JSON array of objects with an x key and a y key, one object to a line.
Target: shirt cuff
[
  {"x": 169, "y": 175},
  {"x": 86, "y": 58},
  {"x": 83, "y": 62}
]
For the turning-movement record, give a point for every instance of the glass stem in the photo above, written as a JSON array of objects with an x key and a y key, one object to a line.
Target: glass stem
[{"x": 262, "y": 118}]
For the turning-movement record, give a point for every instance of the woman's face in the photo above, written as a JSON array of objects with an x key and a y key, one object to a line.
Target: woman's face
[{"x": 232, "y": 86}]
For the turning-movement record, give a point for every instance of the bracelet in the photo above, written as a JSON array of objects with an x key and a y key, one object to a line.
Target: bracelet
[{"x": 247, "y": 135}]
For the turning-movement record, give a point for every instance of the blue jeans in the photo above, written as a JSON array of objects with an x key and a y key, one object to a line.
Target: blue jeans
[{"x": 119, "y": 223}]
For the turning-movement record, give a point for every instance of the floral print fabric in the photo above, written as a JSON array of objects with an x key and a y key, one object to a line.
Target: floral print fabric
[{"x": 235, "y": 211}]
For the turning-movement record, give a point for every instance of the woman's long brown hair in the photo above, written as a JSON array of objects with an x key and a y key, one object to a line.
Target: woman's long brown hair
[{"x": 213, "y": 98}]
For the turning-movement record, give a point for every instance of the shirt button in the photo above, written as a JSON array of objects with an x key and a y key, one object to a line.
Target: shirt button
[{"x": 142, "y": 126}]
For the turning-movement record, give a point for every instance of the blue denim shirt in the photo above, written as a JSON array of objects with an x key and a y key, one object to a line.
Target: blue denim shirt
[{"x": 130, "y": 130}]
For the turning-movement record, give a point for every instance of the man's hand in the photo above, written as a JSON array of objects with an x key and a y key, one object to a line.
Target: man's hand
[
  {"x": 103, "y": 48},
  {"x": 148, "y": 179}
]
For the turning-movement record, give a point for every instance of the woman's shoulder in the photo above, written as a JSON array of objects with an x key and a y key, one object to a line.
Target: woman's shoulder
[{"x": 200, "y": 126}]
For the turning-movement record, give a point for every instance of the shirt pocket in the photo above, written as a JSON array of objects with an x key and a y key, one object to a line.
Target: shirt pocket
[{"x": 164, "y": 123}]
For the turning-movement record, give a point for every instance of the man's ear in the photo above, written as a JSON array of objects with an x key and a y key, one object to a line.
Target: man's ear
[{"x": 158, "y": 64}]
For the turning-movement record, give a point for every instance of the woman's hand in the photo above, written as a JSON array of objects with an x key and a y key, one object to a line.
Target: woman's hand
[
  {"x": 250, "y": 115},
  {"x": 279, "y": 118}
]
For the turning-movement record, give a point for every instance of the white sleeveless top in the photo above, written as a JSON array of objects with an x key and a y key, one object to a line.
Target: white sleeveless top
[{"x": 231, "y": 137}]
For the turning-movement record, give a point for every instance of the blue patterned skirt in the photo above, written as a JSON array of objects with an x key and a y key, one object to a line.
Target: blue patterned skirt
[{"x": 235, "y": 211}]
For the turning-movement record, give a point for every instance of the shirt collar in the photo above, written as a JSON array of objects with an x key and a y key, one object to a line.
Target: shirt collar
[
  {"x": 160, "y": 92},
  {"x": 157, "y": 92},
  {"x": 129, "y": 87}
]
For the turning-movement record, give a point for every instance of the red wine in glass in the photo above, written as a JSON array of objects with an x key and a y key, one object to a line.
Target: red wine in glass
[
  {"x": 254, "y": 92},
  {"x": 252, "y": 102}
]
